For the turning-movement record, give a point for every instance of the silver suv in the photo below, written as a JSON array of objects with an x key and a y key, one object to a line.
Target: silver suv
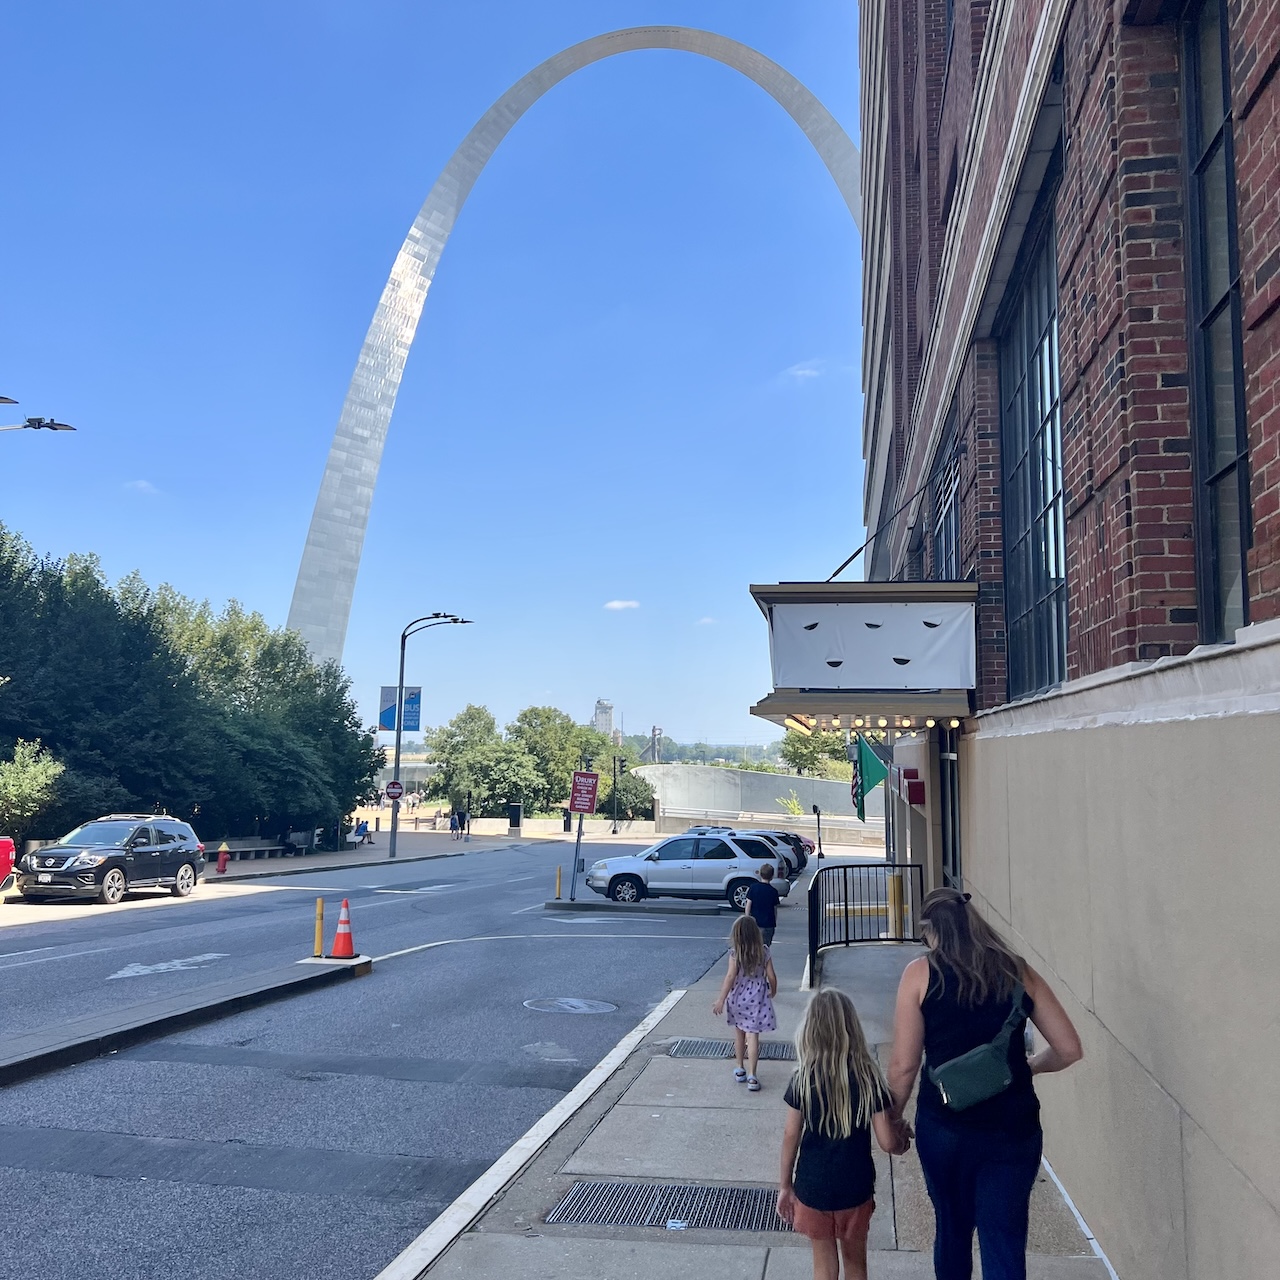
[{"x": 709, "y": 866}]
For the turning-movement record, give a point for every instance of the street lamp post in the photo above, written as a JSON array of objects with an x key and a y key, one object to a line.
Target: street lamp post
[
  {"x": 33, "y": 424},
  {"x": 418, "y": 624}
]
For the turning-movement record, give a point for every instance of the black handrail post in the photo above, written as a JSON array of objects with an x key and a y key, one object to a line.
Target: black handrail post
[{"x": 815, "y": 918}]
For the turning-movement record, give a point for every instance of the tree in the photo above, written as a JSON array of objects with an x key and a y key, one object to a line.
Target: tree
[
  {"x": 812, "y": 753},
  {"x": 26, "y": 786},
  {"x": 635, "y": 797},
  {"x": 154, "y": 703}
]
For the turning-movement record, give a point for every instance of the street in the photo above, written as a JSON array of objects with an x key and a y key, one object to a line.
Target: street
[{"x": 318, "y": 1135}]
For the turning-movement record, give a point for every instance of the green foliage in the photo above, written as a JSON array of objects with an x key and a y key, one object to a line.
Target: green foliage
[
  {"x": 635, "y": 797},
  {"x": 531, "y": 765},
  {"x": 154, "y": 703},
  {"x": 26, "y": 787},
  {"x": 791, "y": 804},
  {"x": 816, "y": 754}
]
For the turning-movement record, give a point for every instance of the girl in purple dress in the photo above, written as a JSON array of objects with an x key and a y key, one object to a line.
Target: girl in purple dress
[{"x": 747, "y": 997}]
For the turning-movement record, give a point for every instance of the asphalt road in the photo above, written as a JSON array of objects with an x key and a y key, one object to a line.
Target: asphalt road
[{"x": 314, "y": 1137}]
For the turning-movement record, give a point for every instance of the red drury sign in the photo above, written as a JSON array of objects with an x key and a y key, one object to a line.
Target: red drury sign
[{"x": 582, "y": 795}]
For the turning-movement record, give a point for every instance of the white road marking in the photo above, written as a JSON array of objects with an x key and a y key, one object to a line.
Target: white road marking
[
  {"x": 426, "y": 888},
  {"x": 167, "y": 966},
  {"x": 546, "y": 937},
  {"x": 96, "y": 951},
  {"x": 537, "y": 906},
  {"x": 4, "y": 955}
]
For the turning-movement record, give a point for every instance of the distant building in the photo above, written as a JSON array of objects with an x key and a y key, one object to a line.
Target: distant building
[{"x": 603, "y": 720}]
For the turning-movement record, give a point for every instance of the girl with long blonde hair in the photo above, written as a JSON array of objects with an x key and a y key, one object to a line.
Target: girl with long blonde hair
[
  {"x": 836, "y": 1099},
  {"x": 747, "y": 995}
]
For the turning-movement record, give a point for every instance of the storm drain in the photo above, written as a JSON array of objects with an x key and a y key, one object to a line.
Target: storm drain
[
  {"x": 770, "y": 1050},
  {"x": 653, "y": 1204}
]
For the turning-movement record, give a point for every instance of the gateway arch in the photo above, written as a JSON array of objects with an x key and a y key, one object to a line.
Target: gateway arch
[{"x": 326, "y": 581}]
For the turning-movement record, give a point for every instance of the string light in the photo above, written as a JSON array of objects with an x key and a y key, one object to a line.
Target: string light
[
  {"x": 928, "y": 724},
  {"x": 955, "y": 724},
  {"x": 883, "y": 722}
]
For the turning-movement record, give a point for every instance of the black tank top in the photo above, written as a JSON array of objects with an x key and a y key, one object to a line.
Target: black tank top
[{"x": 952, "y": 1028}]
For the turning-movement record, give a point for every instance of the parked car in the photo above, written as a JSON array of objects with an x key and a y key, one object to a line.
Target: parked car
[
  {"x": 107, "y": 857},
  {"x": 782, "y": 841},
  {"x": 707, "y": 866}
]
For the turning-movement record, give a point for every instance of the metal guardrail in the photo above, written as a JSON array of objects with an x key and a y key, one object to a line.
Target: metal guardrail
[{"x": 864, "y": 902}]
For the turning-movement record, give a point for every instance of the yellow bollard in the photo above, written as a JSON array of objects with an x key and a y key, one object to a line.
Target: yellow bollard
[
  {"x": 319, "y": 947},
  {"x": 895, "y": 904},
  {"x": 558, "y": 871}
]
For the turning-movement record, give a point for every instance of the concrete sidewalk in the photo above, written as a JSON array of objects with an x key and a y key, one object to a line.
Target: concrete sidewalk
[{"x": 683, "y": 1121}]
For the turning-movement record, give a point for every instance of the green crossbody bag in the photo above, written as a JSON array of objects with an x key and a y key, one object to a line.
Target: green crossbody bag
[{"x": 983, "y": 1072}]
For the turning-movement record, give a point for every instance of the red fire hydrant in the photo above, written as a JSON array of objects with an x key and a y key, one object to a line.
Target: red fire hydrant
[{"x": 224, "y": 856}]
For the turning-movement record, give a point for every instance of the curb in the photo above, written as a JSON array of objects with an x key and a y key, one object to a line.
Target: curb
[
  {"x": 427, "y": 1248},
  {"x": 313, "y": 870},
  {"x": 36, "y": 1052},
  {"x": 637, "y": 908}
]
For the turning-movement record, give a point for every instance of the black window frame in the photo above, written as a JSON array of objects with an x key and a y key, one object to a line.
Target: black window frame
[
  {"x": 1033, "y": 520},
  {"x": 1204, "y": 312},
  {"x": 946, "y": 530}
]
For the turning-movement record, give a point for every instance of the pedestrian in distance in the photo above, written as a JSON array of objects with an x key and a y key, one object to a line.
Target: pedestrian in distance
[
  {"x": 762, "y": 903},
  {"x": 746, "y": 997},
  {"x": 964, "y": 1006},
  {"x": 453, "y": 826},
  {"x": 836, "y": 1099}
]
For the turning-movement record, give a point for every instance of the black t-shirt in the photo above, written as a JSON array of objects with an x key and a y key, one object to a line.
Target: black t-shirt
[
  {"x": 764, "y": 904},
  {"x": 832, "y": 1174},
  {"x": 951, "y": 1029}
]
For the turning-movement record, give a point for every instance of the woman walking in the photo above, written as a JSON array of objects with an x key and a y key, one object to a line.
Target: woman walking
[
  {"x": 835, "y": 1100},
  {"x": 965, "y": 1006},
  {"x": 746, "y": 996}
]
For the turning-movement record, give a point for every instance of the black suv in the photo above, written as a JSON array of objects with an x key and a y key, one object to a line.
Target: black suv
[{"x": 107, "y": 857}]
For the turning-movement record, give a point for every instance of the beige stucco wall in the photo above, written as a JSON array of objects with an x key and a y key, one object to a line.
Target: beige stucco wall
[{"x": 1126, "y": 834}]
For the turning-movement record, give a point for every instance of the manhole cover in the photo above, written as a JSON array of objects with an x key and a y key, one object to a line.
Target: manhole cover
[{"x": 570, "y": 1004}]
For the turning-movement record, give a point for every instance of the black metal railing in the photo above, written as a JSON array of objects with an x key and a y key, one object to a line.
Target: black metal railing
[{"x": 864, "y": 902}]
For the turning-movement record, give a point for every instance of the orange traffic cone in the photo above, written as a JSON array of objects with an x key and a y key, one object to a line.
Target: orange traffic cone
[{"x": 343, "y": 942}]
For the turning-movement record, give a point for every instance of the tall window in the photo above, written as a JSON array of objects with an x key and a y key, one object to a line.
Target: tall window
[
  {"x": 1223, "y": 515},
  {"x": 1035, "y": 560},
  {"x": 946, "y": 522}
]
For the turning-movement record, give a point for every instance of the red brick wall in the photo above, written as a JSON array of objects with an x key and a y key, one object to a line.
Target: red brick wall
[
  {"x": 1123, "y": 346},
  {"x": 1127, "y": 446},
  {"x": 1255, "y": 49}
]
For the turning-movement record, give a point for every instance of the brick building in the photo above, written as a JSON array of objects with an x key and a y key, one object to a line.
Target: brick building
[{"x": 1072, "y": 351}]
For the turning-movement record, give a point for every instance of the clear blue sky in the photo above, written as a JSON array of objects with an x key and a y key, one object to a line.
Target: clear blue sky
[{"x": 636, "y": 378}]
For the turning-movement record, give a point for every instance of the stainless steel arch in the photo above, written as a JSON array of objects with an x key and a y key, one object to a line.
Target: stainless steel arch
[{"x": 326, "y": 582}]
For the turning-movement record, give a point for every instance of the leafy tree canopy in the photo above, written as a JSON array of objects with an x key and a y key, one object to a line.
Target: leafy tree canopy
[{"x": 153, "y": 702}]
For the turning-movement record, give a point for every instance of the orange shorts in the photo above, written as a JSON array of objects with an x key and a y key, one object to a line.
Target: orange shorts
[{"x": 850, "y": 1225}]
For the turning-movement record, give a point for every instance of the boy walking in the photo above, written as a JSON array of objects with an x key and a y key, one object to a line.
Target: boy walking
[{"x": 762, "y": 903}]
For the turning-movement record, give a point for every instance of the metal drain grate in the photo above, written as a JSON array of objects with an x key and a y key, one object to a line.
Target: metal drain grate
[
  {"x": 770, "y": 1050},
  {"x": 654, "y": 1204}
]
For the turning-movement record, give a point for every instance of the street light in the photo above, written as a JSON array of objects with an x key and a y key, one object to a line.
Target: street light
[
  {"x": 418, "y": 624},
  {"x": 33, "y": 424}
]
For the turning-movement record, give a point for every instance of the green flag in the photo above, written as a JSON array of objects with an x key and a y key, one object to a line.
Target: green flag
[{"x": 868, "y": 773}]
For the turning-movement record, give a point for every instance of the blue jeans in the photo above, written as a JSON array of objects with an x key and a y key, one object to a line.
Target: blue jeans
[{"x": 980, "y": 1181}]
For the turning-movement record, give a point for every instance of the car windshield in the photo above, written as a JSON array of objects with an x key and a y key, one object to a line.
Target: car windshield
[{"x": 99, "y": 833}]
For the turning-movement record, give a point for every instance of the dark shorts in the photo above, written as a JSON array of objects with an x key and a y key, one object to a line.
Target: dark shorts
[
  {"x": 768, "y": 935},
  {"x": 850, "y": 1225}
]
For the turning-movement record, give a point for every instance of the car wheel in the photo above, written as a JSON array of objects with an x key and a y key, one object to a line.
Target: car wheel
[
  {"x": 185, "y": 882},
  {"x": 113, "y": 887},
  {"x": 626, "y": 889},
  {"x": 738, "y": 893}
]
